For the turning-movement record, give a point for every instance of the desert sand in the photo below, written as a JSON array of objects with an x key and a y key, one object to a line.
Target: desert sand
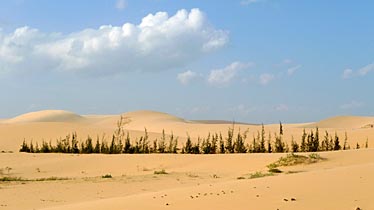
[{"x": 343, "y": 180}]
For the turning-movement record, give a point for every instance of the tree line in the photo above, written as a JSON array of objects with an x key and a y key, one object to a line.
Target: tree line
[{"x": 214, "y": 143}]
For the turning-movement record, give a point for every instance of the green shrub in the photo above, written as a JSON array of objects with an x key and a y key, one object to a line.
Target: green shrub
[
  {"x": 293, "y": 159},
  {"x": 259, "y": 174}
]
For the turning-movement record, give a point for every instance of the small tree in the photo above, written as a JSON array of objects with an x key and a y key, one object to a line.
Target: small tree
[
  {"x": 336, "y": 142},
  {"x": 214, "y": 143},
  {"x": 280, "y": 128},
  {"x": 161, "y": 143},
  {"x": 24, "y": 147},
  {"x": 89, "y": 147},
  {"x": 104, "y": 147},
  {"x": 279, "y": 145},
  {"x": 269, "y": 149},
  {"x": 127, "y": 146},
  {"x": 97, "y": 146},
  {"x": 32, "y": 147},
  {"x": 229, "y": 140},
  {"x": 345, "y": 141},
  {"x": 45, "y": 147},
  {"x": 221, "y": 144},
  {"x": 316, "y": 141},
  {"x": 303, "y": 145},
  {"x": 294, "y": 145},
  {"x": 262, "y": 148},
  {"x": 188, "y": 147},
  {"x": 74, "y": 143},
  {"x": 325, "y": 143},
  {"x": 239, "y": 145}
]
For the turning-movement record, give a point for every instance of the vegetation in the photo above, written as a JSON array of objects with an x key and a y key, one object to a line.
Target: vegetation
[
  {"x": 259, "y": 174},
  {"x": 20, "y": 179},
  {"x": 293, "y": 159},
  {"x": 235, "y": 142},
  {"x": 160, "y": 172},
  {"x": 107, "y": 176}
]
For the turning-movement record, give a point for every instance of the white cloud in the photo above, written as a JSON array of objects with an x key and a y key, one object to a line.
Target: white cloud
[
  {"x": 266, "y": 78},
  {"x": 158, "y": 43},
  {"x": 287, "y": 61},
  {"x": 121, "y": 4},
  {"x": 187, "y": 77},
  {"x": 352, "y": 105},
  {"x": 222, "y": 77},
  {"x": 349, "y": 73},
  {"x": 293, "y": 69},
  {"x": 242, "y": 109},
  {"x": 248, "y": 2},
  {"x": 281, "y": 107},
  {"x": 366, "y": 69}
]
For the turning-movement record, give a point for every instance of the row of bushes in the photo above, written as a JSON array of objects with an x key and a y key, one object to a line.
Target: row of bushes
[{"x": 234, "y": 142}]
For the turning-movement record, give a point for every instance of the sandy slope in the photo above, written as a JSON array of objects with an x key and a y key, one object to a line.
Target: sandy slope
[{"x": 343, "y": 181}]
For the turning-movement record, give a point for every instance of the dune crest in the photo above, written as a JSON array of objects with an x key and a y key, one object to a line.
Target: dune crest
[{"x": 46, "y": 116}]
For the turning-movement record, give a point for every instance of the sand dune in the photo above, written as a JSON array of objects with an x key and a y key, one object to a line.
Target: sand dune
[
  {"x": 47, "y": 116},
  {"x": 54, "y": 124},
  {"x": 351, "y": 122}
]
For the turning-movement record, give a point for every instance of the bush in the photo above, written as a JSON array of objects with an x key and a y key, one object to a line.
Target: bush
[
  {"x": 160, "y": 172},
  {"x": 107, "y": 176},
  {"x": 293, "y": 159},
  {"x": 275, "y": 170}
]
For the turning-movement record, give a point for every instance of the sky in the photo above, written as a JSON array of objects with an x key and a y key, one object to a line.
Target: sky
[{"x": 259, "y": 61}]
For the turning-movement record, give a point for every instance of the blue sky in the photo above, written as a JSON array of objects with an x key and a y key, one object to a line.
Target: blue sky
[{"x": 251, "y": 60}]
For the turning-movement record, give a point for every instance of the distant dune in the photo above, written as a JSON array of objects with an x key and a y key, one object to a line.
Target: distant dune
[
  {"x": 221, "y": 122},
  {"x": 349, "y": 122},
  {"x": 54, "y": 124},
  {"x": 46, "y": 116},
  {"x": 147, "y": 116}
]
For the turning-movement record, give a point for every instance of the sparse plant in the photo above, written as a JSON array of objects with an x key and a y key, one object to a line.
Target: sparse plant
[
  {"x": 107, "y": 176},
  {"x": 259, "y": 174},
  {"x": 160, "y": 172}
]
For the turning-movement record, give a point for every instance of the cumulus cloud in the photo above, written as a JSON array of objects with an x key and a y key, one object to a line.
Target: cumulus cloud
[
  {"x": 266, "y": 78},
  {"x": 222, "y": 77},
  {"x": 349, "y": 73},
  {"x": 186, "y": 77},
  {"x": 121, "y": 4},
  {"x": 160, "y": 42}
]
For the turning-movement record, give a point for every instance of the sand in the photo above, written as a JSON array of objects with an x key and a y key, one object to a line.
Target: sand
[{"x": 342, "y": 181}]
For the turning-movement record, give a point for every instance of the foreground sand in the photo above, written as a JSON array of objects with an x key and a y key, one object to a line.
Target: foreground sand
[
  {"x": 343, "y": 181},
  {"x": 70, "y": 181}
]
